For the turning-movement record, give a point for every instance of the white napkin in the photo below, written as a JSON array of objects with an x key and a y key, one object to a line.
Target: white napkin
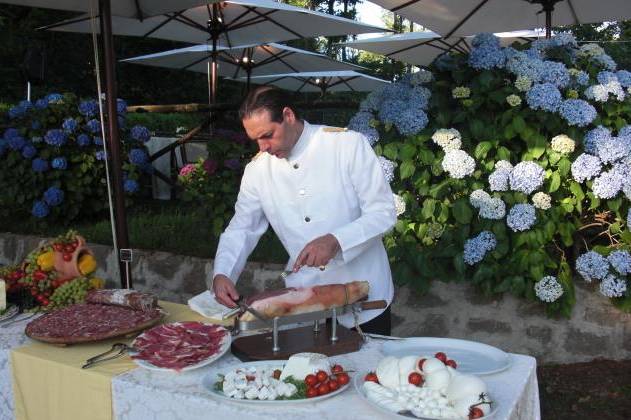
[{"x": 206, "y": 305}]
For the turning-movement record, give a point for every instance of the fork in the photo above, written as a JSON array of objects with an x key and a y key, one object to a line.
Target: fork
[
  {"x": 284, "y": 274},
  {"x": 122, "y": 349},
  {"x": 17, "y": 319}
]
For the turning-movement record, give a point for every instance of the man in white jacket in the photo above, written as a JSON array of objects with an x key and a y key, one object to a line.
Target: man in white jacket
[{"x": 323, "y": 192}]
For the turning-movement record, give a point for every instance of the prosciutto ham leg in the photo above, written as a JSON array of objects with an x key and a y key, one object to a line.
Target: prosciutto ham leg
[{"x": 299, "y": 300}]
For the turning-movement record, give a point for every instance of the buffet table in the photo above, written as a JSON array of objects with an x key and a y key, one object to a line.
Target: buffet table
[{"x": 48, "y": 382}]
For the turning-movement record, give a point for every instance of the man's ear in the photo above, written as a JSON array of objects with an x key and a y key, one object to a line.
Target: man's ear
[{"x": 289, "y": 115}]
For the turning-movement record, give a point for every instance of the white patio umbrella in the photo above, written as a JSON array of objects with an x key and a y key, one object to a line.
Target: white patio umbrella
[
  {"x": 230, "y": 23},
  {"x": 322, "y": 81},
  {"x": 243, "y": 60},
  {"x": 468, "y": 17},
  {"x": 421, "y": 48}
]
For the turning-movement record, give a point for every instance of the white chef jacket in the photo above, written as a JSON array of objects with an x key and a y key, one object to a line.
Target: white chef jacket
[{"x": 331, "y": 182}]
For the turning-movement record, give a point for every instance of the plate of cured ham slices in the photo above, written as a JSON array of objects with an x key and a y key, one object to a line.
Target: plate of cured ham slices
[{"x": 180, "y": 346}]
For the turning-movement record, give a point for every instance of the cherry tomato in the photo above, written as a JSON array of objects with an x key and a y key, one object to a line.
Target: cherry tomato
[
  {"x": 334, "y": 385},
  {"x": 33, "y": 292},
  {"x": 475, "y": 413},
  {"x": 69, "y": 248},
  {"x": 337, "y": 369},
  {"x": 67, "y": 257},
  {"x": 322, "y": 376},
  {"x": 311, "y": 380},
  {"x": 451, "y": 363},
  {"x": 312, "y": 392},
  {"x": 343, "y": 379},
  {"x": 420, "y": 363},
  {"x": 415, "y": 379},
  {"x": 58, "y": 247},
  {"x": 371, "y": 377},
  {"x": 45, "y": 302},
  {"x": 324, "y": 389},
  {"x": 441, "y": 356},
  {"x": 39, "y": 275}
]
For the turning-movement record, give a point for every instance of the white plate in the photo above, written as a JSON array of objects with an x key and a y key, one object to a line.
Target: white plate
[
  {"x": 471, "y": 357},
  {"x": 358, "y": 382},
  {"x": 9, "y": 312},
  {"x": 225, "y": 346},
  {"x": 211, "y": 378}
]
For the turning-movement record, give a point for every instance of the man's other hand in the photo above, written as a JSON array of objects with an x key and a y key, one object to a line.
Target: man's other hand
[
  {"x": 318, "y": 252},
  {"x": 225, "y": 292}
]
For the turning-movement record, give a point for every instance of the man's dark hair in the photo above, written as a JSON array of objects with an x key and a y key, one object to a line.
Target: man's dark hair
[{"x": 266, "y": 98}]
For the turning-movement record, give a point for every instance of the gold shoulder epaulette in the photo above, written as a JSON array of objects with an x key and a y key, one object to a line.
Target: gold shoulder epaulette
[
  {"x": 334, "y": 129},
  {"x": 256, "y": 156}
]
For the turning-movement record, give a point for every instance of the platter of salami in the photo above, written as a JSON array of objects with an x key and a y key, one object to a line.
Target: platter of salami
[{"x": 180, "y": 346}]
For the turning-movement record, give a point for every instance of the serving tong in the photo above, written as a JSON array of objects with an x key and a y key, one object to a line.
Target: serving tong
[{"x": 117, "y": 350}]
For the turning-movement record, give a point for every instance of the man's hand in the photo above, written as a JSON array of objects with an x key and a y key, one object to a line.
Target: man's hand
[
  {"x": 318, "y": 252},
  {"x": 225, "y": 293}
]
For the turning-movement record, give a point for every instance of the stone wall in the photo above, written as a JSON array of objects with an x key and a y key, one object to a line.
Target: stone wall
[{"x": 596, "y": 329}]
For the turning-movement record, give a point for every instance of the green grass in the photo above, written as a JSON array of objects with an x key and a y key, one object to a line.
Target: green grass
[{"x": 157, "y": 225}]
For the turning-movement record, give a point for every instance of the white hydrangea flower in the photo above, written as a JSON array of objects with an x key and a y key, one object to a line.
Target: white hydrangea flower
[
  {"x": 458, "y": 164},
  {"x": 513, "y": 100},
  {"x": 523, "y": 84},
  {"x": 421, "y": 77},
  {"x": 548, "y": 289},
  {"x": 542, "y": 200},
  {"x": 498, "y": 180},
  {"x": 477, "y": 198},
  {"x": 461, "y": 92},
  {"x": 494, "y": 209},
  {"x": 503, "y": 164},
  {"x": 590, "y": 50},
  {"x": 447, "y": 138},
  {"x": 563, "y": 144},
  {"x": 399, "y": 204},
  {"x": 388, "y": 168},
  {"x": 613, "y": 286}
]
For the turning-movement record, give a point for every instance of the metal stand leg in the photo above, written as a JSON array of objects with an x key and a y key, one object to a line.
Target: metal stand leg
[
  {"x": 316, "y": 326},
  {"x": 334, "y": 325},
  {"x": 276, "y": 347}
]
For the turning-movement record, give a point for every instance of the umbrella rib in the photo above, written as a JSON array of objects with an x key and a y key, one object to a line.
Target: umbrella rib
[
  {"x": 226, "y": 30},
  {"x": 188, "y": 66},
  {"x": 305, "y": 81},
  {"x": 466, "y": 18},
  {"x": 139, "y": 14},
  {"x": 261, "y": 17},
  {"x": 411, "y": 47},
  {"x": 279, "y": 57},
  {"x": 164, "y": 22},
  {"x": 345, "y": 81},
  {"x": 573, "y": 10},
  {"x": 188, "y": 21},
  {"x": 66, "y": 22},
  {"x": 280, "y": 25},
  {"x": 404, "y": 5},
  {"x": 236, "y": 71}
]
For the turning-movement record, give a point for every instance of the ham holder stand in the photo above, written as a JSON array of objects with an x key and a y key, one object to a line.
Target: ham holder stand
[{"x": 269, "y": 342}]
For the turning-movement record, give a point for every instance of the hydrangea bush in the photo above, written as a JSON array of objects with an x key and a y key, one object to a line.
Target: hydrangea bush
[
  {"x": 512, "y": 162},
  {"x": 214, "y": 182},
  {"x": 52, "y": 159}
]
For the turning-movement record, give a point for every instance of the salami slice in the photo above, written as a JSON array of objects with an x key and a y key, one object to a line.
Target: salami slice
[
  {"x": 87, "y": 322},
  {"x": 180, "y": 345},
  {"x": 123, "y": 297}
]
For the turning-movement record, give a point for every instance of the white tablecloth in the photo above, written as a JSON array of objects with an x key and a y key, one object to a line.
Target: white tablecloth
[
  {"x": 10, "y": 337},
  {"x": 143, "y": 394}
]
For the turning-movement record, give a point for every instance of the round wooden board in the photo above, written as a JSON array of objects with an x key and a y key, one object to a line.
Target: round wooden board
[{"x": 79, "y": 340}]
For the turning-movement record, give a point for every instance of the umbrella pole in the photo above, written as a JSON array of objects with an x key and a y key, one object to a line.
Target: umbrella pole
[
  {"x": 113, "y": 140},
  {"x": 214, "y": 33},
  {"x": 248, "y": 71},
  {"x": 548, "y": 8}
]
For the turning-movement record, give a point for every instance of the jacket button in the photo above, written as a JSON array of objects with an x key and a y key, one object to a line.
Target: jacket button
[
  {"x": 296, "y": 166},
  {"x": 307, "y": 219}
]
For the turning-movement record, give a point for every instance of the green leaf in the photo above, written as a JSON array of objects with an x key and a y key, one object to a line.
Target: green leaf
[
  {"x": 518, "y": 124},
  {"x": 555, "y": 182},
  {"x": 482, "y": 149},
  {"x": 407, "y": 151},
  {"x": 428, "y": 208},
  {"x": 407, "y": 169},
  {"x": 391, "y": 151},
  {"x": 576, "y": 189},
  {"x": 503, "y": 153},
  {"x": 462, "y": 212}
]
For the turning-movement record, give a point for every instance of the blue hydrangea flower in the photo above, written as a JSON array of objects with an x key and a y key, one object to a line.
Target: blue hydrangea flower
[
  {"x": 36, "y": 125},
  {"x": 521, "y": 217},
  {"x": 100, "y": 155},
  {"x": 544, "y": 96},
  {"x": 29, "y": 151},
  {"x": 521, "y": 65},
  {"x": 477, "y": 247},
  {"x": 54, "y": 98},
  {"x": 69, "y": 125},
  {"x": 605, "y": 77},
  {"x": 130, "y": 186},
  {"x": 122, "y": 122},
  {"x": 94, "y": 126},
  {"x": 121, "y": 106},
  {"x": 83, "y": 140},
  {"x": 53, "y": 196},
  {"x": 605, "y": 61},
  {"x": 625, "y": 131},
  {"x": 611, "y": 149},
  {"x": 564, "y": 39},
  {"x": 595, "y": 136},
  {"x": 586, "y": 167},
  {"x": 9, "y": 133},
  {"x": 555, "y": 73},
  {"x": 360, "y": 122},
  {"x": 16, "y": 112},
  {"x": 41, "y": 103},
  {"x": 55, "y": 137},
  {"x": 88, "y": 108},
  {"x": 138, "y": 157},
  {"x": 607, "y": 185},
  {"x": 629, "y": 219},
  {"x": 548, "y": 289},
  {"x": 582, "y": 78},
  {"x": 624, "y": 77},
  {"x": 498, "y": 180},
  {"x": 620, "y": 261},
  {"x": 577, "y": 112},
  {"x": 372, "y": 102},
  {"x": 591, "y": 265},
  {"x": 26, "y": 105},
  {"x": 16, "y": 143},
  {"x": 411, "y": 121},
  {"x": 98, "y": 141},
  {"x": 140, "y": 133},
  {"x": 39, "y": 165},
  {"x": 486, "y": 39},
  {"x": 526, "y": 177},
  {"x": 40, "y": 209},
  {"x": 486, "y": 57},
  {"x": 613, "y": 286},
  {"x": 390, "y": 109},
  {"x": 59, "y": 163}
]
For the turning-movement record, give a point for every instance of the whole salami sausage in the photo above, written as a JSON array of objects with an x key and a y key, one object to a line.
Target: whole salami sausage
[{"x": 123, "y": 297}]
